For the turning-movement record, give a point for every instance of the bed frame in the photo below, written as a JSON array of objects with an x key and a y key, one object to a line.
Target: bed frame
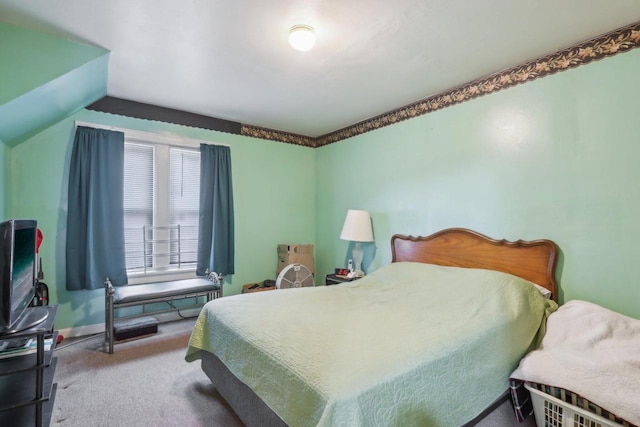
[{"x": 532, "y": 260}]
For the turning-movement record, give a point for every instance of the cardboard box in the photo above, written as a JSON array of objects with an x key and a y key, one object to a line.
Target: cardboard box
[{"x": 295, "y": 254}]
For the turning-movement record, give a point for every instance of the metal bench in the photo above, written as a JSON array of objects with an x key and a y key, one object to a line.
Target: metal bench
[{"x": 134, "y": 295}]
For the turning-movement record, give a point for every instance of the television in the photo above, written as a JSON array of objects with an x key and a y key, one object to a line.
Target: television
[{"x": 18, "y": 275}]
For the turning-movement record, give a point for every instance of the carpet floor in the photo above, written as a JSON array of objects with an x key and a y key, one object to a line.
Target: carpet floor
[{"x": 146, "y": 382}]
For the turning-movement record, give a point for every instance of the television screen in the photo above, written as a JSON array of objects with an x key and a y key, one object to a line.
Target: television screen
[
  {"x": 24, "y": 267},
  {"x": 17, "y": 270}
]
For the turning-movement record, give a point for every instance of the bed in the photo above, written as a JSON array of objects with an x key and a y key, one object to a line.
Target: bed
[{"x": 428, "y": 340}]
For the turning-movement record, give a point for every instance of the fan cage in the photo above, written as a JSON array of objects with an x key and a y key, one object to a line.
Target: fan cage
[{"x": 295, "y": 276}]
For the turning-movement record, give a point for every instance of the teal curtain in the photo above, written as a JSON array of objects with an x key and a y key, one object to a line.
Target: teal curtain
[
  {"x": 95, "y": 217},
  {"x": 216, "y": 234}
]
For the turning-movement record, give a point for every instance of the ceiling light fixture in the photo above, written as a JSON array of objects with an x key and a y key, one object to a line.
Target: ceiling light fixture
[{"x": 302, "y": 37}]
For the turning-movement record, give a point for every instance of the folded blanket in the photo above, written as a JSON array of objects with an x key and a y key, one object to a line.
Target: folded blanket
[{"x": 593, "y": 352}]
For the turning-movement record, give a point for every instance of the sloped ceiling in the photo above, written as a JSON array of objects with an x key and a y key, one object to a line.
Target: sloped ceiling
[{"x": 45, "y": 79}]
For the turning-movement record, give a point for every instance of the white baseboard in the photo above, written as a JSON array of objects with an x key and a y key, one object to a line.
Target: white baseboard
[{"x": 81, "y": 331}]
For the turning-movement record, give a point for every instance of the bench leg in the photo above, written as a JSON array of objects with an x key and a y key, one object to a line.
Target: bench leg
[{"x": 108, "y": 315}]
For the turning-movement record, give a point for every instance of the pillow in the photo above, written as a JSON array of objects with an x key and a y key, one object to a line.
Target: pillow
[{"x": 544, "y": 291}]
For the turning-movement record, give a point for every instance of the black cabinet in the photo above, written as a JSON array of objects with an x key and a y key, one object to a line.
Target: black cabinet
[{"x": 27, "y": 390}]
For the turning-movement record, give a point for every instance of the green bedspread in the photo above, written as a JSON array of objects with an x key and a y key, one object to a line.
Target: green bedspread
[{"x": 409, "y": 345}]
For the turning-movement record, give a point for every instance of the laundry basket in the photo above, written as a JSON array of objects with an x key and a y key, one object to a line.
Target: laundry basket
[{"x": 552, "y": 412}]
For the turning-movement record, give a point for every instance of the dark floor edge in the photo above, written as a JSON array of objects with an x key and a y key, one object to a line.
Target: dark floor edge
[{"x": 499, "y": 401}]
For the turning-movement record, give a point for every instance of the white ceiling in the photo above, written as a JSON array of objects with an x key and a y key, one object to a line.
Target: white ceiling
[{"x": 230, "y": 59}]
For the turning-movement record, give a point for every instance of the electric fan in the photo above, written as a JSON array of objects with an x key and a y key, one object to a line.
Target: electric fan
[{"x": 294, "y": 276}]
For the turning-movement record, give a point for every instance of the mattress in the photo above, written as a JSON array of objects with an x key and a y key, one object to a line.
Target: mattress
[{"x": 411, "y": 344}]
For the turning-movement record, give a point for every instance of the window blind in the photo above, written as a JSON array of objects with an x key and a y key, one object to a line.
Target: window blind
[
  {"x": 138, "y": 203},
  {"x": 184, "y": 198}
]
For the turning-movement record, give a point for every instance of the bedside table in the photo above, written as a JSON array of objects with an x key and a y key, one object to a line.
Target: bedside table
[{"x": 332, "y": 279}]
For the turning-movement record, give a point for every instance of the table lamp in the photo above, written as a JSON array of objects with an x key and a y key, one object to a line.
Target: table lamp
[{"x": 357, "y": 228}]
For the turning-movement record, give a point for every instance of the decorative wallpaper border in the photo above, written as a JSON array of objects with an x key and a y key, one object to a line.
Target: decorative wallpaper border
[
  {"x": 276, "y": 135},
  {"x": 610, "y": 44}
]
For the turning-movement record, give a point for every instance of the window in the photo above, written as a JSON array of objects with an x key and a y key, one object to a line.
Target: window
[
  {"x": 138, "y": 203},
  {"x": 161, "y": 208},
  {"x": 184, "y": 197}
]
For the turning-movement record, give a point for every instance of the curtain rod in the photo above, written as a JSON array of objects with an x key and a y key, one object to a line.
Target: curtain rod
[{"x": 157, "y": 138}]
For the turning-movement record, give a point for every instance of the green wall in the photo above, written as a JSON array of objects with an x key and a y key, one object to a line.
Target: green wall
[
  {"x": 555, "y": 158},
  {"x": 34, "y": 59},
  {"x": 4, "y": 161},
  {"x": 274, "y": 196},
  {"x": 45, "y": 79}
]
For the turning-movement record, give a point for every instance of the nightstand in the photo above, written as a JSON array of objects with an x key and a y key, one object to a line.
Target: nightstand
[{"x": 332, "y": 279}]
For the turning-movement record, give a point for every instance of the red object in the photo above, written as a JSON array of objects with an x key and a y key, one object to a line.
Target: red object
[{"x": 39, "y": 238}]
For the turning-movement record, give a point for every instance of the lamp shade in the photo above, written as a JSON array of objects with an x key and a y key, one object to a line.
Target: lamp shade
[{"x": 357, "y": 227}]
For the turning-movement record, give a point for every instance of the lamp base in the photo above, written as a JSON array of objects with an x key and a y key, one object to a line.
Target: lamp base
[{"x": 358, "y": 255}]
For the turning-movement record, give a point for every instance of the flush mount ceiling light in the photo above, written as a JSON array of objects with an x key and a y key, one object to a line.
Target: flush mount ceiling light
[{"x": 302, "y": 37}]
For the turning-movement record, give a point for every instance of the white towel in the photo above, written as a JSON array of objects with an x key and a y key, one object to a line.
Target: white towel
[{"x": 593, "y": 352}]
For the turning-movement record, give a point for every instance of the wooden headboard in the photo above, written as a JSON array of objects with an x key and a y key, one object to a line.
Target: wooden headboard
[{"x": 458, "y": 247}]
